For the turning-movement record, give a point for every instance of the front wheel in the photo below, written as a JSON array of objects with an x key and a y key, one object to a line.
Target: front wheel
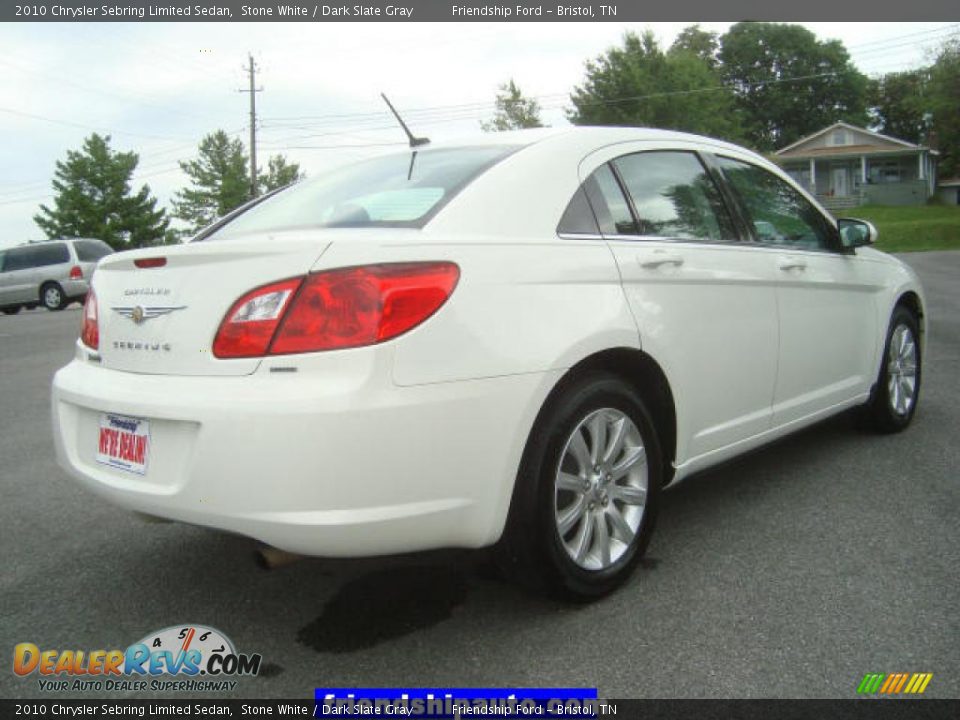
[
  {"x": 894, "y": 400},
  {"x": 586, "y": 494}
]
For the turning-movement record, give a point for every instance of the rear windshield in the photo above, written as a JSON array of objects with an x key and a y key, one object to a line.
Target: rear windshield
[
  {"x": 403, "y": 190},
  {"x": 91, "y": 250}
]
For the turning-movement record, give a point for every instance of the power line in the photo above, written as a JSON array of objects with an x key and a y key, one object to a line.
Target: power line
[{"x": 67, "y": 123}]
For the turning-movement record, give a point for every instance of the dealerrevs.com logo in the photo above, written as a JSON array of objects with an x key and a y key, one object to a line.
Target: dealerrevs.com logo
[{"x": 181, "y": 657}]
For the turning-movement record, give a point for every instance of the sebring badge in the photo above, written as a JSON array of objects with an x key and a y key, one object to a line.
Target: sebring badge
[{"x": 140, "y": 314}]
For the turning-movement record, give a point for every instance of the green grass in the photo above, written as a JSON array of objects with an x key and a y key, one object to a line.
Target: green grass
[{"x": 912, "y": 228}]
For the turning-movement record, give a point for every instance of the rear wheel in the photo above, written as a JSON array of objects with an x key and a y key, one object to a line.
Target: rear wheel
[
  {"x": 586, "y": 494},
  {"x": 52, "y": 297},
  {"x": 894, "y": 400},
  {"x": 11, "y": 310}
]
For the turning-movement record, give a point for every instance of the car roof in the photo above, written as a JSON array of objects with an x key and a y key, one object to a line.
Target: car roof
[{"x": 580, "y": 135}]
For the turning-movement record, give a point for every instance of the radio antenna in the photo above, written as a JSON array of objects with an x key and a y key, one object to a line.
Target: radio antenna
[{"x": 414, "y": 141}]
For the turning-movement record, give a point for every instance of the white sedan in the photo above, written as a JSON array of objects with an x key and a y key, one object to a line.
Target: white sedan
[{"x": 514, "y": 341}]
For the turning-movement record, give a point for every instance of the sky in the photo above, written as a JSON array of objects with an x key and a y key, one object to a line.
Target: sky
[{"x": 158, "y": 88}]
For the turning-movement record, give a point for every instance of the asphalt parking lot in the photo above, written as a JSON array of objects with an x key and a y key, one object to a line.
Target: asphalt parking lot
[{"x": 791, "y": 572}]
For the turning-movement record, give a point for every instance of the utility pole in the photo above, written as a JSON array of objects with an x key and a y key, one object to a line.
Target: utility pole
[{"x": 251, "y": 70}]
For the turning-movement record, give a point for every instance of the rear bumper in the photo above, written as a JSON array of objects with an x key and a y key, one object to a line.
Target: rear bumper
[
  {"x": 336, "y": 464},
  {"x": 75, "y": 289}
]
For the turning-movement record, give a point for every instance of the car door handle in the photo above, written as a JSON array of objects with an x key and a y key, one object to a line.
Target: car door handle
[
  {"x": 659, "y": 260},
  {"x": 788, "y": 265}
]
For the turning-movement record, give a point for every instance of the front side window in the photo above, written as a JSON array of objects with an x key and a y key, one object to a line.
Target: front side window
[
  {"x": 16, "y": 259},
  {"x": 779, "y": 213},
  {"x": 401, "y": 190},
  {"x": 674, "y": 196}
]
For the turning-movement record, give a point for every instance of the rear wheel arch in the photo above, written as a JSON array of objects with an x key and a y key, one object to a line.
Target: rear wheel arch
[{"x": 645, "y": 375}]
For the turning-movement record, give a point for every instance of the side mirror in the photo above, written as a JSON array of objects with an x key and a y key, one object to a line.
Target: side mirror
[{"x": 856, "y": 233}]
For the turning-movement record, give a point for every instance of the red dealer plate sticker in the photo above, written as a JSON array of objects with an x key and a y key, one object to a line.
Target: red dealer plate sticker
[{"x": 124, "y": 443}]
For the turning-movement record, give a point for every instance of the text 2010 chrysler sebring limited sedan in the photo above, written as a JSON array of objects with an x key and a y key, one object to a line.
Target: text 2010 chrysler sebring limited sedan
[{"x": 513, "y": 341}]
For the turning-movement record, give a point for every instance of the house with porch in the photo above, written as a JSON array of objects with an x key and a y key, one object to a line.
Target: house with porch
[{"x": 845, "y": 166}]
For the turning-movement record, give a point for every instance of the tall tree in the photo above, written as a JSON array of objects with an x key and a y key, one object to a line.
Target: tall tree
[
  {"x": 219, "y": 181},
  {"x": 761, "y": 61},
  {"x": 638, "y": 84},
  {"x": 900, "y": 106},
  {"x": 279, "y": 173},
  {"x": 702, "y": 43},
  {"x": 944, "y": 93},
  {"x": 514, "y": 111},
  {"x": 94, "y": 199}
]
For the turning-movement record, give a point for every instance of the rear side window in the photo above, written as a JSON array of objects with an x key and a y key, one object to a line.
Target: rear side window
[
  {"x": 91, "y": 250},
  {"x": 607, "y": 199},
  {"x": 53, "y": 254},
  {"x": 578, "y": 218},
  {"x": 36, "y": 256},
  {"x": 402, "y": 190},
  {"x": 674, "y": 196}
]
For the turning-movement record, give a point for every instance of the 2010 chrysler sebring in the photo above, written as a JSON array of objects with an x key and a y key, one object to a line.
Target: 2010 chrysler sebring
[{"x": 515, "y": 341}]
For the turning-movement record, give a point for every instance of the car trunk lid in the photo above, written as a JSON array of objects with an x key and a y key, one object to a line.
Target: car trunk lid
[{"x": 162, "y": 320}]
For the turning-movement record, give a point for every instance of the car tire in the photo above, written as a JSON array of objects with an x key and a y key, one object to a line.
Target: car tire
[
  {"x": 11, "y": 310},
  {"x": 584, "y": 504},
  {"x": 893, "y": 401},
  {"x": 52, "y": 297}
]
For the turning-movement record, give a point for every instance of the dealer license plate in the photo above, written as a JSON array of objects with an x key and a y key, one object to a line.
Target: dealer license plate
[{"x": 124, "y": 443}]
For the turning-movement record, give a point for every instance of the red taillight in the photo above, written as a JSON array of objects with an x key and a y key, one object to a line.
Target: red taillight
[
  {"x": 249, "y": 325},
  {"x": 90, "y": 327},
  {"x": 150, "y": 262},
  {"x": 338, "y": 309},
  {"x": 76, "y": 273}
]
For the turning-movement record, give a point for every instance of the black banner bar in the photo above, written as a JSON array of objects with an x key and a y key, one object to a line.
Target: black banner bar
[
  {"x": 854, "y": 709},
  {"x": 471, "y": 11}
]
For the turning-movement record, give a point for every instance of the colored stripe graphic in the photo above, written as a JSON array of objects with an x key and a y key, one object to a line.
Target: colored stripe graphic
[
  {"x": 894, "y": 683},
  {"x": 870, "y": 683}
]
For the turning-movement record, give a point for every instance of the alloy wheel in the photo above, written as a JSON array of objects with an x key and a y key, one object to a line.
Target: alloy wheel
[
  {"x": 902, "y": 370},
  {"x": 600, "y": 489}
]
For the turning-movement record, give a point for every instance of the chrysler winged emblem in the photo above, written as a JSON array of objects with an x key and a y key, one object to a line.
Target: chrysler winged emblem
[{"x": 140, "y": 313}]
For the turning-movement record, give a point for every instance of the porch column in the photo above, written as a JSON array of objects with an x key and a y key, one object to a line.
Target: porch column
[
  {"x": 920, "y": 164},
  {"x": 863, "y": 169},
  {"x": 813, "y": 176}
]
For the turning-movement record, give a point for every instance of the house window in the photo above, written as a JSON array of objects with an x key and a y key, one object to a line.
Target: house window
[
  {"x": 801, "y": 175},
  {"x": 885, "y": 171},
  {"x": 838, "y": 137}
]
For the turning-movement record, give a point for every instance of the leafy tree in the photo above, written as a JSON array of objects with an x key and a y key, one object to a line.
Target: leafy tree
[
  {"x": 514, "y": 111},
  {"x": 702, "y": 43},
  {"x": 279, "y": 173},
  {"x": 219, "y": 181},
  {"x": 93, "y": 199},
  {"x": 759, "y": 60},
  {"x": 638, "y": 84},
  {"x": 899, "y": 105},
  {"x": 944, "y": 94}
]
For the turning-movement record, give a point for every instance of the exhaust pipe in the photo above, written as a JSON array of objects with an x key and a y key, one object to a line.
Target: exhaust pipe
[{"x": 271, "y": 558}]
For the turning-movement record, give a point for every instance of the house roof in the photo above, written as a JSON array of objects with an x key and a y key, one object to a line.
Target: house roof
[
  {"x": 843, "y": 150},
  {"x": 786, "y": 151},
  {"x": 949, "y": 182}
]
